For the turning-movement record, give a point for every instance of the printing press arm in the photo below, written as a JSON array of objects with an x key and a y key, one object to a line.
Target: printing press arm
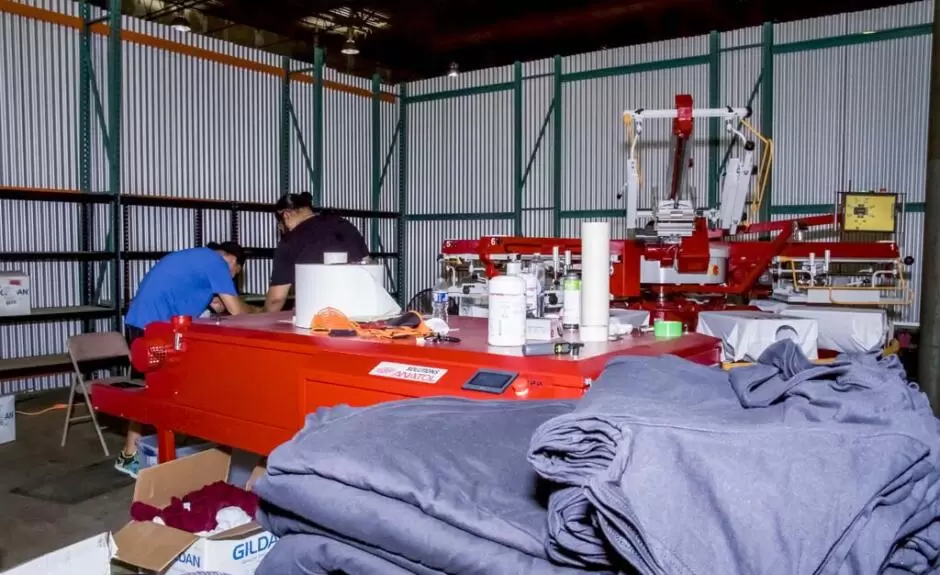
[
  {"x": 737, "y": 183},
  {"x": 674, "y": 209}
]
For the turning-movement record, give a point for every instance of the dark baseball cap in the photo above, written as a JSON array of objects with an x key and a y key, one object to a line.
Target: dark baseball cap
[{"x": 231, "y": 248}]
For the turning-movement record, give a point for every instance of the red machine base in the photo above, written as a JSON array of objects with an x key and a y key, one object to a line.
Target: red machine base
[{"x": 249, "y": 381}]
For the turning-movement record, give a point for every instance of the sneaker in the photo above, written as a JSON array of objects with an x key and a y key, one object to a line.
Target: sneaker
[{"x": 127, "y": 464}]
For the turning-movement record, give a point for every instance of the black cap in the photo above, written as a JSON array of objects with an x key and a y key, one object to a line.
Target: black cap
[{"x": 231, "y": 248}]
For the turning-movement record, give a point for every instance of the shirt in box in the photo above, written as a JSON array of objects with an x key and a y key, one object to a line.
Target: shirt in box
[
  {"x": 314, "y": 237},
  {"x": 182, "y": 283}
]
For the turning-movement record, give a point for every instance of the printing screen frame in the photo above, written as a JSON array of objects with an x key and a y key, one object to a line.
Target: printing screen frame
[{"x": 508, "y": 377}]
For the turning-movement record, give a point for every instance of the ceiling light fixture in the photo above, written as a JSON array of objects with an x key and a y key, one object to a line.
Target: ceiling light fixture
[
  {"x": 452, "y": 72},
  {"x": 350, "y": 48},
  {"x": 181, "y": 25}
]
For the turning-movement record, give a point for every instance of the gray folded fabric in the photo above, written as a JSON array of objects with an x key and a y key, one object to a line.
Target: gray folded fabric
[
  {"x": 321, "y": 554},
  {"x": 573, "y": 447},
  {"x": 440, "y": 482},
  {"x": 739, "y": 500},
  {"x": 784, "y": 467}
]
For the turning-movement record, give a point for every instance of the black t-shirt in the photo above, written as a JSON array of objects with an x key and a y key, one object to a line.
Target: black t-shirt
[{"x": 315, "y": 236}]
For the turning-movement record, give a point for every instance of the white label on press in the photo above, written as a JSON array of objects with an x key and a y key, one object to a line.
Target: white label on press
[{"x": 416, "y": 373}]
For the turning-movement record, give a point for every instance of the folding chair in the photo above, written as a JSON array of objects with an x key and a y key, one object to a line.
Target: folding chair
[{"x": 93, "y": 347}]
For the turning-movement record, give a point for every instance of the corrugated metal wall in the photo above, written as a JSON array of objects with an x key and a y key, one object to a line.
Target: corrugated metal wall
[
  {"x": 200, "y": 122},
  {"x": 849, "y": 94},
  {"x": 849, "y": 100}
]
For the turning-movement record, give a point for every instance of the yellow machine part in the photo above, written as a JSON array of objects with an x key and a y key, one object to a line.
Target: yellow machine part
[{"x": 869, "y": 212}]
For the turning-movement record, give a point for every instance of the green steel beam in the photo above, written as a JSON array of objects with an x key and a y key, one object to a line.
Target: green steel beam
[
  {"x": 556, "y": 148},
  {"x": 84, "y": 100},
  {"x": 376, "y": 159},
  {"x": 463, "y": 217},
  {"x": 517, "y": 178},
  {"x": 767, "y": 107},
  {"x": 853, "y": 39},
  {"x": 577, "y": 214},
  {"x": 714, "y": 124},
  {"x": 741, "y": 47},
  {"x": 304, "y": 151},
  {"x": 636, "y": 68},
  {"x": 461, "y": 92},
  {"x": 115, "y": 68},
  {"x": 84, "y": 160},
  {"x": 402, "y": 194},
  {"x": 750, "y": 102},
  {"x": 538, "y": 143},
  {"x": 389, "y": 152},
  {"x": 813, "y": 209},
  {"x": 318, "y": 126},
  {"x": 99, "y": 108},
  {"x": 784, "y": 210},
  {"x": 284, "y": 131}
]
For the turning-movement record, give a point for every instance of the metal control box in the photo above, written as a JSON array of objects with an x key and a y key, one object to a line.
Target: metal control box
[{"x": 870, "y": 212}]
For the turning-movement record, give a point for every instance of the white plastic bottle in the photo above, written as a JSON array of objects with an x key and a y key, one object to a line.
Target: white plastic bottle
[
  {"x": 506, "y": 323},
  {"x": 440, "y": 300}
]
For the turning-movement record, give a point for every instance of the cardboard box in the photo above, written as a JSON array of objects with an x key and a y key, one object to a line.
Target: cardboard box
[
  {"x": 89, "y": 557},
  {"x": 7, "y": 419},
  {"x": 14, "y": 293},
  {"x": 148, "y": 452},
  {"x": 169, "y": 551}
]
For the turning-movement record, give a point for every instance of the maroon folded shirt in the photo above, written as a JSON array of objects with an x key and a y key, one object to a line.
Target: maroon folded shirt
[{"x": 204, "y": 504}]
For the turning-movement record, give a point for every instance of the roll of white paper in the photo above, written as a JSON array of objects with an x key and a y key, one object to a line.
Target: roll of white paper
[
  {"x": 354, "y": 289},
  {"x": 335, "y": 257},
  {"x": 595, "y": 281}
]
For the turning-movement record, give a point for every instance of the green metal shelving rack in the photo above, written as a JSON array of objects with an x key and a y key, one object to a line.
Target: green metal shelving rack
[{"x": 112, "y": 263}]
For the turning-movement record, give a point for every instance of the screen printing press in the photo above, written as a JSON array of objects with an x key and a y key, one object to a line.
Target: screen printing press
[{"x": 249, "y": 381}]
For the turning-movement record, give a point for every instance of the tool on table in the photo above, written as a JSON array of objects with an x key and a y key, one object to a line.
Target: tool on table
[
  {"x": 342, "y": 333},
  {"x": 557, "y": 348},
  {"x": 441, "y": 338}
]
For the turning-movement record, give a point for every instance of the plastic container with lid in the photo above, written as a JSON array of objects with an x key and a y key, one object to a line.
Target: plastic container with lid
[{"x": 507, "y": 300}]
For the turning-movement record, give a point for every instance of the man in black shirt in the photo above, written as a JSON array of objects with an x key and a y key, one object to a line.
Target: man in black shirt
[{"x": 307, "y": 236}]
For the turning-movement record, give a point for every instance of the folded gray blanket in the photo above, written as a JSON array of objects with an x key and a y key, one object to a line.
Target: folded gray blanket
[
  {"x": 442, "y": 483},
  {"x": 323, "y": 554},
  {"x": 786, "y": 467}
]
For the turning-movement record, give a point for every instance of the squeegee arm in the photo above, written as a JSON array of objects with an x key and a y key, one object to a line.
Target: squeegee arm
[{"x": 727, "y": 113}]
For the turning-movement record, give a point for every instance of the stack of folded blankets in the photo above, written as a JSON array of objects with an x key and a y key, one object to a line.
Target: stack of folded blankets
[{"x": 663, "y": 467}]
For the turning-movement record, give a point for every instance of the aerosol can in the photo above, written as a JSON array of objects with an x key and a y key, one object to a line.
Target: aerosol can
[{"x": 571, "y": 295}]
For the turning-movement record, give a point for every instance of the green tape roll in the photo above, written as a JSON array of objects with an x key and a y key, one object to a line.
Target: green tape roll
[{"x": 662, "y": 328}]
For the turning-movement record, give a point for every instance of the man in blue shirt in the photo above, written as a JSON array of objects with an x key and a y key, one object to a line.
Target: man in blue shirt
[{"x": 182, "y": 283}]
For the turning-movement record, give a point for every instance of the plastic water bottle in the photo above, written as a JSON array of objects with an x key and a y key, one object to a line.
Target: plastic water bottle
[{"x": 439, "y": 300}]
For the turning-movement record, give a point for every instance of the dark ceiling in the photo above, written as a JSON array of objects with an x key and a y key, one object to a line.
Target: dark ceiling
[{"x": 411, "y": 39}]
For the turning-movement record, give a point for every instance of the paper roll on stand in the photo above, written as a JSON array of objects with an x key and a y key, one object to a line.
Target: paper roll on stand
[
  {"x": 595, "y": 281},
  {"x": 354, "y": 289}
]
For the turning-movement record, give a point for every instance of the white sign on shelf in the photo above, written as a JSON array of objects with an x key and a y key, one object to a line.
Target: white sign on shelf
[{"x": 416, "y": 373}]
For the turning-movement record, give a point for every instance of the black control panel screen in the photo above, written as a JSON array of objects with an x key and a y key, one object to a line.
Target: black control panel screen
[{"x": 490, "y": 381}]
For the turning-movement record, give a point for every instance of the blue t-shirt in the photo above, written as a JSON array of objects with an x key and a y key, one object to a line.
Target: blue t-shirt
[{"x": 182, "y": 283}]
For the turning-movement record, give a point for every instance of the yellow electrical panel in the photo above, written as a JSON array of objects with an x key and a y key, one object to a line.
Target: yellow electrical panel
[{"x": 869, "y": 212}]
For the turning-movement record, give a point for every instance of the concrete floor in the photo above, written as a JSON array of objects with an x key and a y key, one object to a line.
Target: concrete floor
[{"x": 31, "y": 527}]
